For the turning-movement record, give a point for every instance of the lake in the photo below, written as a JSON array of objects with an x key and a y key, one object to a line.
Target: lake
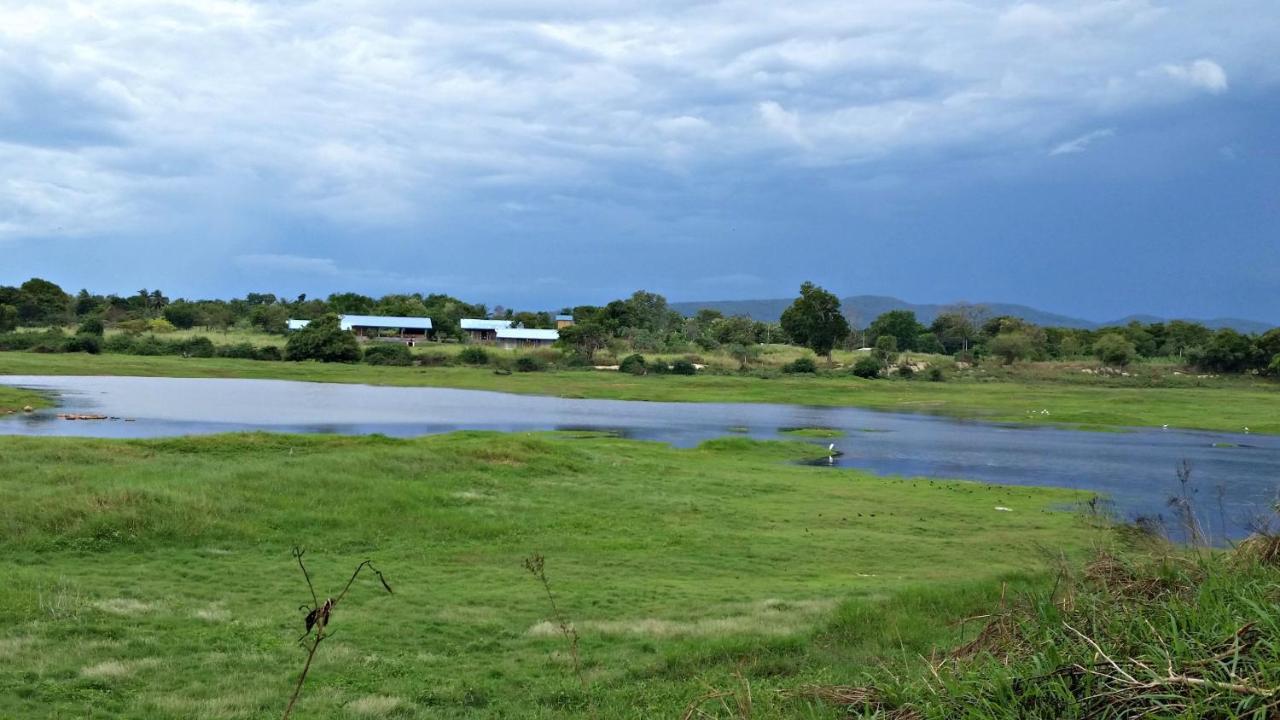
[{"x": 1236, "y": 475}]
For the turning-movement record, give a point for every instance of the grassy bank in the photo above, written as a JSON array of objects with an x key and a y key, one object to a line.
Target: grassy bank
[
  {"x": 12, "y": 400},
  {"x": 1226, "y": 405},
  {"x": 154, "y": 578},
  {"x": 1174, "y": 635}
]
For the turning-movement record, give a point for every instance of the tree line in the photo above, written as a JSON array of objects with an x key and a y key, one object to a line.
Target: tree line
[{"x": 645, "y": 323}]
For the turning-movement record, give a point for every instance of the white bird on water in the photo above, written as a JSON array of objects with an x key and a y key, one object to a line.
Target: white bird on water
[{"x": 831, "y": 454}]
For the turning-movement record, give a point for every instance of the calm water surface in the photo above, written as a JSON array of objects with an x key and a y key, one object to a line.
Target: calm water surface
[{"x": 1237, "y": 475}]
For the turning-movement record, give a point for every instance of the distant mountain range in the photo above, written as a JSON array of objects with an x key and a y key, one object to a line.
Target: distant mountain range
[{"x": 862, "y": 309}]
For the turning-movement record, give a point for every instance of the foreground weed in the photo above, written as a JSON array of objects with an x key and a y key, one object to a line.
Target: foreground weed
[
  {"x": 536, "y": 565},
  {"x": 319, "y": 614}
]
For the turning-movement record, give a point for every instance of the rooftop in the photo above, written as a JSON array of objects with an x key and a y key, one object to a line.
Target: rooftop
[
  {"x": 527, "y": 334},
  {"x": 478, "y": 324},
  {"x": 373, "y": 321}
]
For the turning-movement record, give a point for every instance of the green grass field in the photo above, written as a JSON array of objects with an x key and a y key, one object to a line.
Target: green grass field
[
  {"x": 153, "y": 579},
  {"x": 1228, "y": 404}
]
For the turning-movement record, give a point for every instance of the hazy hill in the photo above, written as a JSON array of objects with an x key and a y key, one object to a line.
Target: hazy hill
[{"x": 862, "y": 309}]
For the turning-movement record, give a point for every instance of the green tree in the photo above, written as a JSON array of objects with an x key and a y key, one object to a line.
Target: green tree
[
  {"x": 1115, "y": 349},
  {"x": 41, "y": 302},
  {"x": 740, "y": 330},
  {"x": 350, "y": 303},
  {"x": 323, "y": 340},
  {"x": 1012, "y": 346},
  {"x": 901, "y": 324},
  {"x": 183, "y": 315},
  {"x": 814, "y": 320},
  {"x": 1228, "y": 351},
  {"x": 8, "y": 318},
  {"x": 886, "y": 348},
  {"x": 744, "y": 353},
  {"x": 584, "y": 339},
  {"x": 269, "y": 318}
]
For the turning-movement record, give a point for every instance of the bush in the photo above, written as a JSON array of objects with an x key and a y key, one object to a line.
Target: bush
[
  {"x": 905, "y": 371},
  {"x": 1113, "y": 349},
  {"x": 473, "y": 355},
  {"x": 22, "y": 340},
  {"x": 867, "y": 366},
  {"x": 886, "y": 348},
  {"x": 118, "y": 344},
  {"x": 935, "y": 374},
  {"x": 323, "y": 340},
  {"x": 269, "y": 353},
  {"x": 434, "y": 359},
  {"x": 197, "y": 347},
  {"x": 150, "y": 346},
  {"x": 239, "y": 351},
  {"x": 1274, "y": 367},
  {"x": 160, "y": 326},
  {"x": 91, "y": 326},
  {"x": 1011, "y": 347},
  {"x": 633, "y": 364},
  {"x": 85, "y": 343},
  {"x": 389, "y": 354},
  {"x": 529, "y": 363},
  {"x": 801, "y": 365},
  {"x": 657, "y": 367},
  {"x": 683, "y": 367}
]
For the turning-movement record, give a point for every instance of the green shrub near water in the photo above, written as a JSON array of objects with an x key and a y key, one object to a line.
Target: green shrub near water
[
  {"x": 529, "y": 363},
  {"x": 801, "y": 365},
  {"x": 388, "y": 354},
  {"x": 633, "y": 365},
  {"x": 473, "y": 355},
  {"x": 683, "y": 367},
  {"x": 867, "y": 366},
  {"x": 323, "y": 340}
]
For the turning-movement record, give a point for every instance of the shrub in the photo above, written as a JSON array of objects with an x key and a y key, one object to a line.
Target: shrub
[
  {"x": 389, "y": 354},
  {"x": 161, "y": 326},
  {"x": 323, "y": 340},
  {"x": 434, "y": 359},
  {"x": 633, "y": 364},
  {"x": 1011, "y": 347},
  {"x": 91, "y": 326},
  {"x": 149, "y": 346},
  {"x": 905, "y": 371},
  {"x": 867, "y": 366},
  {"x": 118, "y": 344},
  {"x": 1113, "y": 349},
  {"x": 657, "y": 367},
  {"x": 1274, "y": 367},
  {"x": 85, "y": 343},
  {"x": 473, "y": 355},
  {"x": 886, "y": 348},
  {"x": 529, "y": 363},
  {"x": 935, "y": 374},
  {"x": 197, "y": 347},
  {"x": 683, "y": 367},
  {"x": 269, "y": 353},
  {"x": 238, "y": 351},
  {"x": 22, "y": 340},
  {"x": 801, "y": 365}
]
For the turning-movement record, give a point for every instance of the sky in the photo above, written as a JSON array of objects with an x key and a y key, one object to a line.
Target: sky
[{"x": 1091, "y": 157}]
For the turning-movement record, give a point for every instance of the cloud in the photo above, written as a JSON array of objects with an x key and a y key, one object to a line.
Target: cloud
[
  {"x": 288, "y": 264},
  {"x": 123, "y": 115},
  {"x": 1204, "y": 74},
  {"x": 783, "y": 122},
  {"x": 1082, "y": 143}
]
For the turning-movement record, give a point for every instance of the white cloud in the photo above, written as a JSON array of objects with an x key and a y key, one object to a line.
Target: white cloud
[
  {"x": 783, "y": 122},
  {"x": 1204, "y": 74},
  {"x": 117, "y": 114},
  {"x": 1082, "y": 143},
  {"x": 288, "y": 264}
]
